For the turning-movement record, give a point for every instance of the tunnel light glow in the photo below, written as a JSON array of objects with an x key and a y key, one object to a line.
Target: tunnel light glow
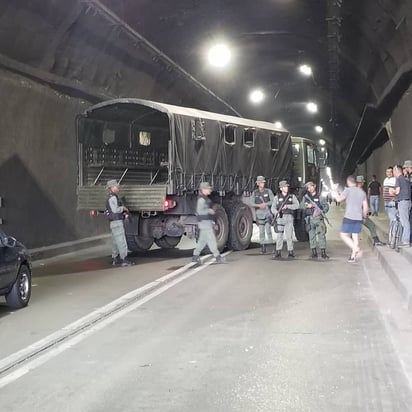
[
  {"x": 278, "y": 124},
  {"x": 312, "y": 107},
  {"x": 257, "y": 96},
  {"x": 219, "y": 55},
  {"x": 329, "y": 172},
  {"x": 318, "y": 129},
  {"x": 322, "y": 149},
  {"x": 322, "y": 142},
  {"x": 306, "y": 70}
]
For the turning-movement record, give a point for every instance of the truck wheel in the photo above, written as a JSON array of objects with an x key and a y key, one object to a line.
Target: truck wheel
[
  {"x": 240, "y": 226},
  {"x": 135, "y": 230},
  {"x": 300, "y": 231},
  {"x": 222, "y": 230},
  {"x": 168, "y": 242},
  {"x": 138, "y": 243},
  {"x": 20, "y": 293}
]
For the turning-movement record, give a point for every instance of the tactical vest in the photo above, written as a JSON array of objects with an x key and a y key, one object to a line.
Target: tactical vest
[
  {"x": 113, "y": 216},
  {"x": 281, "y": 200},
  {"x": 209, "y": 205},
  {"x": 262, "y": 197},
  {"x": 314, "y": 199}
]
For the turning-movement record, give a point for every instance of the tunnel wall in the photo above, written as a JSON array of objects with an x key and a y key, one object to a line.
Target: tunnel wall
[
  {"x": 399, "y": 148},
  {"x": 38, "y": 165},
  {"x": 60, "y": 58}
]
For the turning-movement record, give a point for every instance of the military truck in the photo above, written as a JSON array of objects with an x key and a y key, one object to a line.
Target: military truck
[
  {"x": 305, "y": 167},
  {"x": 161, "y": 153}
]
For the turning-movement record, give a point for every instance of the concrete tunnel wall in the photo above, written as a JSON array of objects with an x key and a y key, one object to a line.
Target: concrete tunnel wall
[
  {"x": 398, "y": 148},
  {"x": 38, "y": 165}
]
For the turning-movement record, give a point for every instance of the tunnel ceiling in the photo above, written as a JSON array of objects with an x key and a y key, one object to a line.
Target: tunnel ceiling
[{"x": 356, "y": 49}]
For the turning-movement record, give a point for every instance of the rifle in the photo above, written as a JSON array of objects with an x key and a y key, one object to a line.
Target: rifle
[
  {"x": 280, "y": 214},
  {"x": 321, "y": 212},
  {"x": 269, "y": 214}
]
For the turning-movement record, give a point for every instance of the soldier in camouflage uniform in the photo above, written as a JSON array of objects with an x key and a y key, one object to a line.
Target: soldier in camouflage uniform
[
  {"x": 115, "y": 212},
  {"x": 283, "y": 207},
  {"x": 315, "y": 222},
  {"x": 261, "y": 200},
  {"x": 207, "y": 237}
]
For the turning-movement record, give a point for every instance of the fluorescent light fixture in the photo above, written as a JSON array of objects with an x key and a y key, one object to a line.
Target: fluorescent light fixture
[
  {"x": 278, "y": 125},
  {"x": 318, "y": 129},
  {"x": 305, "y": 69},
  {"x": 257, "y": 96},
  {"x": 322, "y": 142},
  {"x": 312, "y": 107},
  {"x": 219, "y": 55}
]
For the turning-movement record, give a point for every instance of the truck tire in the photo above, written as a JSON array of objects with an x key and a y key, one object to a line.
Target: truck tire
[
  {"x": 222, "y": 222},
  {"x": 20, "y": 293},
  {"x": 240, "y": 226},
  {"x": 168, "y": 242},
  {"x": 300, "y": 230},
  {"x": 138, "y": 243},
  {"x": 135, "y": 229}
]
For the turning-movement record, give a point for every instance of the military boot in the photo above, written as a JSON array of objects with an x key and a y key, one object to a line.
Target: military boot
[
  {"x": 323, "y": 254},
  {"x": 196, "y": 259},
  {"x": 314, "y": 253},
  {"x": 116, "y": 261},
  {"x": 126, "y": 262},
  {"x": 220, "y": 259},
  {"x": 262, "y": 249},
  {"x": 291, "y": 254},
  {"x": 277, "y": 254}
]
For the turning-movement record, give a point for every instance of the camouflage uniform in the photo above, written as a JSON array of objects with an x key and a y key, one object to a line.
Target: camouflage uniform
[
  {"x": 115, "y": 213},
  {"x": 263, "y": 196},
  {"x": 284, "y": 220},
  {"x": 315, "y": 223},
  {"x": 205, "y": 224}
]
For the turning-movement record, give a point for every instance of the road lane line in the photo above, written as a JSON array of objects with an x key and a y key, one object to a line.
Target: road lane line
[{"x": 45, "y": 349}]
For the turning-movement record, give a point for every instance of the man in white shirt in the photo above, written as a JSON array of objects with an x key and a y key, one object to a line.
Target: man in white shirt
[{"x": 388, "y": 193}]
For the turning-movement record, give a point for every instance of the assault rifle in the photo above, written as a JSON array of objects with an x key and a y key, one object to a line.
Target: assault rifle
[{"x": 317, "y": 208}]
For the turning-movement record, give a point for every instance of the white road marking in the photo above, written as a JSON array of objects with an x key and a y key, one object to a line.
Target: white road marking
[{"x": 69, "y": 336}]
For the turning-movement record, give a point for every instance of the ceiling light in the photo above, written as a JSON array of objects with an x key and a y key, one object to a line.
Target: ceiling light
[
  {"x": 257, "y": 96},
  {"x": 312, "y": 107},
  {"x": 319, "y": 129},
  {"x": 278, "y": 125},
  {"x": 322, "y": 142},
  {"x": 219, "y": 55},
  {"x": 305, "y": 69}
]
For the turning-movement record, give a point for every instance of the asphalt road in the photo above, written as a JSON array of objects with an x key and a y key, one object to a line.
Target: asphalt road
[{"x": 251, "y": 335}]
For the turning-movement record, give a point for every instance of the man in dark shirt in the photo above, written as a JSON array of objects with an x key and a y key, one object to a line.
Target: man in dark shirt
[
  {"x": 403, "y": 200},
  {"x": 374, "y": 192}
]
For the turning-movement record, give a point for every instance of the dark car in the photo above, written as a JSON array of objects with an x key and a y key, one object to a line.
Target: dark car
[{"x": 15, "y": 272}]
